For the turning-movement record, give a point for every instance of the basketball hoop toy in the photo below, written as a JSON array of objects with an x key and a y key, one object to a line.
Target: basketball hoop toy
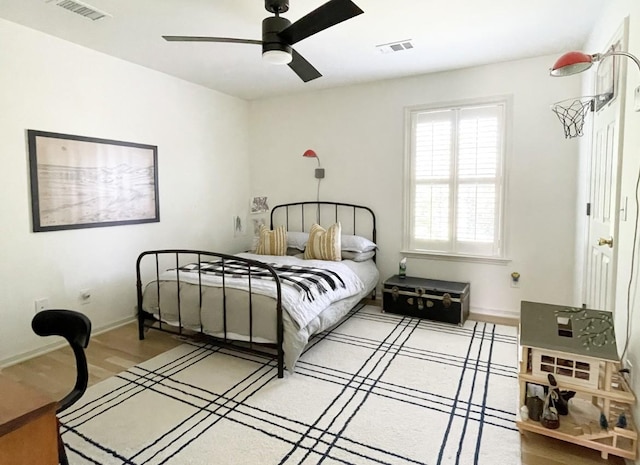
[{"x": 572, "y": 113}]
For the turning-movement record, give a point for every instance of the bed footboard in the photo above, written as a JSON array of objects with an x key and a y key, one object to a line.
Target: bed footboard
[{"x": 176, "y": 269}]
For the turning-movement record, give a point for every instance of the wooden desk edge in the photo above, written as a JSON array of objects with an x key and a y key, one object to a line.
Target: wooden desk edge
[{"x": 32, "y": 404}]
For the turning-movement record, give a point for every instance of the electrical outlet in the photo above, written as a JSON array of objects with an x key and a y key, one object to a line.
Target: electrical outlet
[
  {"x": 85, "y": 296},
  {"x": 41, "y": 304},
  {"x": 514, "y": 278}
]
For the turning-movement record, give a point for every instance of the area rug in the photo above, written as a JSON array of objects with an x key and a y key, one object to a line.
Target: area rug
[{"x": 376, "y": 389}]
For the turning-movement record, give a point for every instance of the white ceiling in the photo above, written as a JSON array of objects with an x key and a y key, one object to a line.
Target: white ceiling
[{"x": 446, "y": 34}]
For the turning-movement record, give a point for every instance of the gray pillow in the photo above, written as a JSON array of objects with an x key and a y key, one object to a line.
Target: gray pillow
[{"x": 357, "y": 256}]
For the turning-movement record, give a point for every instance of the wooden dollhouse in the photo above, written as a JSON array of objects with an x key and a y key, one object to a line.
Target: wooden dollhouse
[{"x": 578, "y": 347}]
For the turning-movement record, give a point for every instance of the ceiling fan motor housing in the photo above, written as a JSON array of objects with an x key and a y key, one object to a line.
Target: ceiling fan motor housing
[
  {"x": 270, "y": 38},
  {"x": 276, "y": 6}
]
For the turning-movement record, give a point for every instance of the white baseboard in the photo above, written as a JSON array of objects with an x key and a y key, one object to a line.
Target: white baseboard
[
  {"x": 515, "y": 314},
  {"x": 15, "y": 359},
  {"x": 491, "y": 312},
  {"x": 114, "y": 325}
]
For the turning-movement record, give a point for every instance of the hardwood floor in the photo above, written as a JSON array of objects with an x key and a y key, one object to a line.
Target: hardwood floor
[
  {"x": 108, "y": 354},
  {"x": 112, "y": 352}
]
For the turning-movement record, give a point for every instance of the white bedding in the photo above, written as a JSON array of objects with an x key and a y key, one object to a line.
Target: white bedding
[
  {"x": 301, "y": 309},
  {"x": 302, "y": 318}
]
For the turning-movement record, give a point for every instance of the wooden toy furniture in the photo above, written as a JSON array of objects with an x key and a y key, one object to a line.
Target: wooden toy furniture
[{"x": 577, "y": 346}]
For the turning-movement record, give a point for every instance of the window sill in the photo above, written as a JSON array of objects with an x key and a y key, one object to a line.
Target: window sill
[{"x": 456, "y": 257}]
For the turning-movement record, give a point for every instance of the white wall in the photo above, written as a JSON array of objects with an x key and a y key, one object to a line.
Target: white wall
[
  {"x": 52, "y": 85},
  {"x": 626, "y": 310},
  {"x": 358, "y": 132}
]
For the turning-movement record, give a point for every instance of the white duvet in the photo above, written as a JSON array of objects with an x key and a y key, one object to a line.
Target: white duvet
[{"x": 301, "y": 308}]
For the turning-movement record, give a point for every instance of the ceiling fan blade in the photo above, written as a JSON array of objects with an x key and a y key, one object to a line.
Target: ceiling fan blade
[
  {"x": 210, "y": 39},
  {"x": 323, "y": 17},
  {"x": 303, "y": 68}
]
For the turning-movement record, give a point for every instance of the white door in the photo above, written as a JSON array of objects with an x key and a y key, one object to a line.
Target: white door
[{"x": 604, "y": 191}]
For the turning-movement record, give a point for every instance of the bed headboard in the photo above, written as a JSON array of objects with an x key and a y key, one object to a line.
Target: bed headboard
[{"x": 300, "y": 216}]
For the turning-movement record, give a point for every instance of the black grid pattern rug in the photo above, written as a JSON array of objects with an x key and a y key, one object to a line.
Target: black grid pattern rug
[{"x": 376, "y": 389}]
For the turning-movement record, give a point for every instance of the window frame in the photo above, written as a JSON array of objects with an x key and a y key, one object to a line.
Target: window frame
[{"x": 448, "y": 253}]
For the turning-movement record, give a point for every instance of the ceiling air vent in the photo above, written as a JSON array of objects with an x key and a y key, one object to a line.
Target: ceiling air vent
[
  {"x": 80, "y": 8},
  {"x": 395, "y": 46}
]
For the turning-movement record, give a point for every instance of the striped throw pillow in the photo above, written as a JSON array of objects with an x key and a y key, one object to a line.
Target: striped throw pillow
[
  {"x": 324, "y": 244},
  {"x": 272, "y": 242}
]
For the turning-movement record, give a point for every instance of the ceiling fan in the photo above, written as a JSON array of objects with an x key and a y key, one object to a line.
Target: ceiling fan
[{"x": 279, "y": 34}]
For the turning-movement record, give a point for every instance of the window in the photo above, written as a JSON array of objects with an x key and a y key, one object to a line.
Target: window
[{"x": 455, "y": 186}]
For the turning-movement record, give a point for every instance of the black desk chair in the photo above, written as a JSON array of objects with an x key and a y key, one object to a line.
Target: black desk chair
[{"x": 76, "y": 329}]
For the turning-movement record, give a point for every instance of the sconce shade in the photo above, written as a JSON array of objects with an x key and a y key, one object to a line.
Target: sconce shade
[
  {"x": 572, "y": 63},
  {"x": 319, "y": 171}
]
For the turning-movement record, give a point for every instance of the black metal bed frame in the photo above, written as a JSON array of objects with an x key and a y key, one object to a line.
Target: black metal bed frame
[
  {"x": 337, "y": 210},
  {"x": 160, "y": 325}
]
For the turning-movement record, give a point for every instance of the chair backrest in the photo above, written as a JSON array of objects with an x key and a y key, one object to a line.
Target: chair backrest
[{"x": 75, "y": 327}]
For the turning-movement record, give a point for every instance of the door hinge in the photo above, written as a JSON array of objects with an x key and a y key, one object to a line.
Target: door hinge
[{"x": 589, "y": 209}]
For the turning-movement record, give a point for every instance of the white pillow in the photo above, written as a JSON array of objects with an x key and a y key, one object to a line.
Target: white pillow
[
  {"x": 357, "y": 256},
  {"x": 356, "y": 244},
  {"x": 297, "y": 240},
  {"x": 349, "y": 243}
]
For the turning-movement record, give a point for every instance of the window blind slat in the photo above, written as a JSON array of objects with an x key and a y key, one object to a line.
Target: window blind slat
[{"x": 431, "y": 212}]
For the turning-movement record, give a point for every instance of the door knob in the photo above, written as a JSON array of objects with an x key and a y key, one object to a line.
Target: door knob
[{"x": 603, "y": 241}]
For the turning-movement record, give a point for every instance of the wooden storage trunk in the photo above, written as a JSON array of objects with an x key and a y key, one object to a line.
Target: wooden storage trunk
[{"x": 445, "y": 301}]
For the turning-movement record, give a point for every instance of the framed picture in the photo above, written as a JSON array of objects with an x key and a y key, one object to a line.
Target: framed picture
[
  {"x": 84, "y": 182},
  {"x": 259, "y": 205},
  {"x": 257, "y": 224},
  {"x": 239, "y": 226}
]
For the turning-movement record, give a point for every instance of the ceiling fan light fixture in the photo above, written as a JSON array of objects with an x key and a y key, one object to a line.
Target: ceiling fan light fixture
[
  {"x": 275, "y": 51},
  {"x": 277, "y": 57}
]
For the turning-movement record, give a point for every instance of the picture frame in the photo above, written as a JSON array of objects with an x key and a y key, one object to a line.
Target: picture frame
[
  {"x": 257, "y": 224},
  {"x": 259, "y": 205},
  {"x": 239, "y": 226},
  {"x": 86, "y": 182}
]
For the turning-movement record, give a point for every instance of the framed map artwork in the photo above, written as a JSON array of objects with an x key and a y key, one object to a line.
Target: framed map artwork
[{"x": 84, "y": 182}]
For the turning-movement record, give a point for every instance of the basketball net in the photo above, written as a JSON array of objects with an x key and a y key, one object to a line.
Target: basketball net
[{"x": 571, "y": 113}]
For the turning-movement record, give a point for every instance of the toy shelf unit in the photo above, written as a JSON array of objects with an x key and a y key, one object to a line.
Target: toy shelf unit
[{"x": 577, "y": 346}]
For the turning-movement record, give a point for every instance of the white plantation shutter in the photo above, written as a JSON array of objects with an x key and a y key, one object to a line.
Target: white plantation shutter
[{"x": 455, "y": 196}]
